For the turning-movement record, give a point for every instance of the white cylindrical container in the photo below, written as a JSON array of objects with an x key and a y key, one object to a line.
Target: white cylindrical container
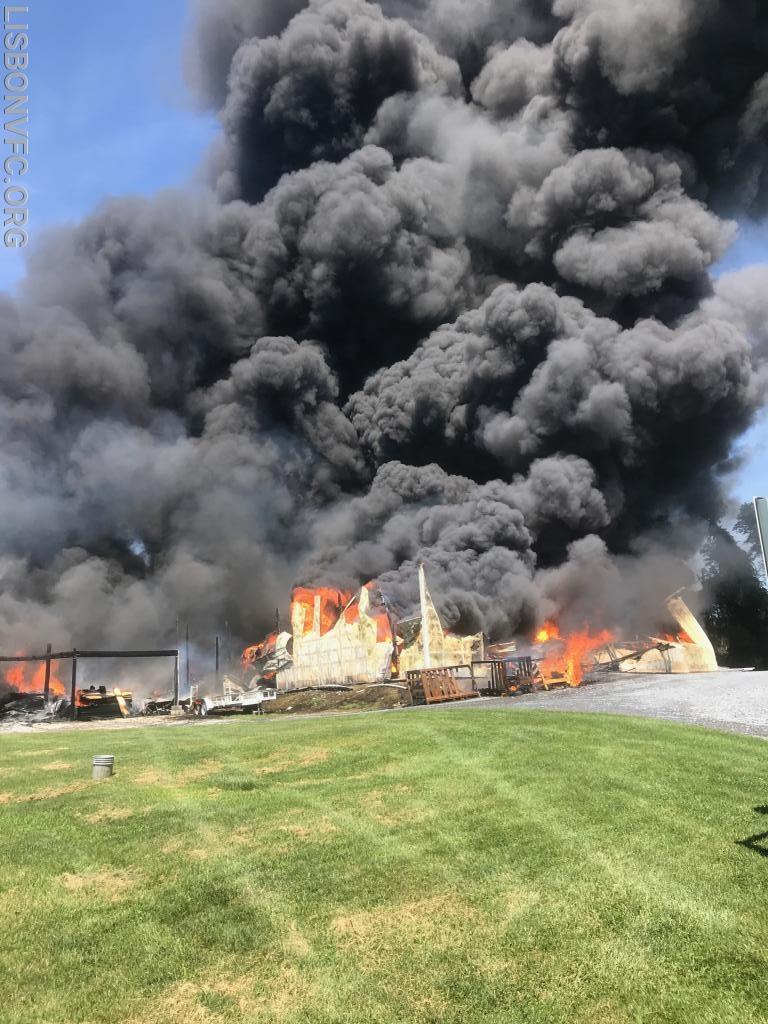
[{"x": 103, "y": 766}]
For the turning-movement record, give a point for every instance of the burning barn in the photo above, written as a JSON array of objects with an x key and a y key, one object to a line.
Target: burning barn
[
  {"x": 449, "y": 299},
  {"x": 340, "y": 637}
]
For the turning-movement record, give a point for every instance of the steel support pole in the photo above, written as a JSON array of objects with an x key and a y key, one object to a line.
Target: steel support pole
[
  {"x": 176, "y": 680},
  {"x": 73, "y": 688},
  {"x": 186, "y": 658},
  {"x": 47, "y": 684}
]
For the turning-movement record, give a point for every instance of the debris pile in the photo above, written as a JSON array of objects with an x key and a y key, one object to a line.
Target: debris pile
[
  {"x": 29, "y": 694},
  {"x": 161, "y": 705},
  {"x": 30, "y": 685},
  {"x": 570, "y": 659},
  {"x": 556, "y": 659},
  {"x": 98, "y": 702},
  {"x": 31, "y": 708}
]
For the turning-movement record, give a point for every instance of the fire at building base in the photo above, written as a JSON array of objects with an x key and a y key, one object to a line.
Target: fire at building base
[
  {"x": 350, "y": 640},
  {"x": 342, "y": 638},
  {"x": 92, "y": 703}
]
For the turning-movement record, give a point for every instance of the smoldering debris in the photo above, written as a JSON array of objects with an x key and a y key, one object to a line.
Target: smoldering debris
[
  {"x": 91, "y": 703},
  {"x": 448, "y": 299},
  {"x": 30, "y": 708}
]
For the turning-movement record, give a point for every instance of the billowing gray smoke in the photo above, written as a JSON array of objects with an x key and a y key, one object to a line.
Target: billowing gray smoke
[{"x": 447, "y": 299}]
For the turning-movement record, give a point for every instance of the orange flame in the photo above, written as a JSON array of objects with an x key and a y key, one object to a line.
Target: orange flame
[
  {"x": 331, "y": 601},
  {"x": 677, "y": 638},
  {"x": 376, "y": 611},
  {"x": 548, "y": 631},
  {"x": 29, "y": 677},
  {"x": 567, "y": 664},
  {"x": 254, "y": 652}
]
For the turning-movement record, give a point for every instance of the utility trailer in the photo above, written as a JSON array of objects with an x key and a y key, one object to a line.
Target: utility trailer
[{"x": 234, "y": 699}]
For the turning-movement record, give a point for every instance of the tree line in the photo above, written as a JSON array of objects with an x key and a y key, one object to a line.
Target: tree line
[{"x": 734, "y": 593}]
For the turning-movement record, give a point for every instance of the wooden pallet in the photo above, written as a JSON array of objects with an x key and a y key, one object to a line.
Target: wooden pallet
[{"x": 436, "y": 686}]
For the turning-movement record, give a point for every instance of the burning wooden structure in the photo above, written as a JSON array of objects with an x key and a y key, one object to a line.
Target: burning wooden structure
[
  {"x": 339, "y": 637},
  {"x": 82, "y": 702},
  {"x": 98, "y": 702},
  {"x": 682, "y": 647},
  {"x": 687, "y": 649},
  {"x": 425, "y": 644}
]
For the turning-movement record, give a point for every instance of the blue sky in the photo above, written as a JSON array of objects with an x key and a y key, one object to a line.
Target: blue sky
[
  {"x": 110, "y": 114},
  {"x": 752, "y": 477},
  {"x": 109, "y": 110}
]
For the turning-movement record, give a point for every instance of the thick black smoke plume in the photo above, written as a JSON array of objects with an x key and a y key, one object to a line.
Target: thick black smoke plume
[{"x": 448, "y": 299}]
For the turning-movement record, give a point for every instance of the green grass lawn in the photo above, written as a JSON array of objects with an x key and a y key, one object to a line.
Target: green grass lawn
[{"x": 453, "y": 866}]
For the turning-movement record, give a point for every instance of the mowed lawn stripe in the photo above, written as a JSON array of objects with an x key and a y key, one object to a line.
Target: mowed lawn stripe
[{"x": 452, "y": 866}]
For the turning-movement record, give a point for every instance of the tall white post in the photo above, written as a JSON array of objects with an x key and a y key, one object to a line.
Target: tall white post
[
  {"x": 424, "y": 616},
  {"x": 761, "y": 518}
]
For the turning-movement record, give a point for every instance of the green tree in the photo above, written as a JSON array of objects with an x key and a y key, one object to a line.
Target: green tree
[
  {"x": 745, "y": 529},
  {"x": 736, "y": 602}
]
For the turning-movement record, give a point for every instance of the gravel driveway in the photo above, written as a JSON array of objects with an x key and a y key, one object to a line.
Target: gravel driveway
[{"x": 730, "y": 700}]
